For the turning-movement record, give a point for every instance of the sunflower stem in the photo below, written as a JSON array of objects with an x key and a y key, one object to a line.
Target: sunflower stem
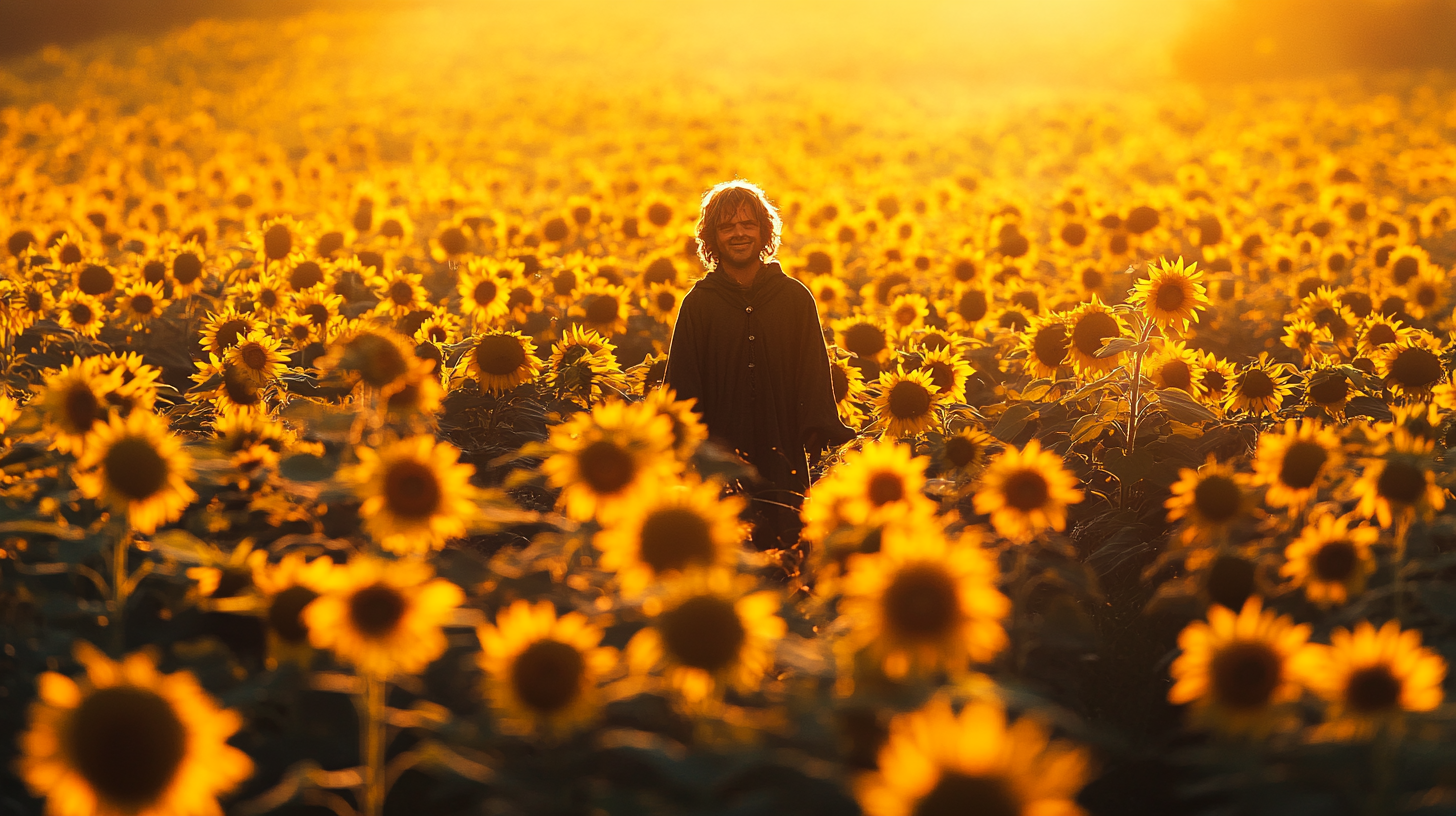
[
  {"x": 1134, "y": 404},
  {"x": 1402, "y": 527},
  {"x": 120, "y": 590},
  {"x": 373, "y": 745}
]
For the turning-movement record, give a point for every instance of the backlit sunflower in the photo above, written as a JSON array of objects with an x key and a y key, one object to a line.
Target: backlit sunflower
[
  {"x": 1398, "y": 482},
  {"x": 1412, "y": 366},
  {"x": 415, "y": 494},
  {"x": 1371, "y": 677},
  {"x": 384, "y": 617},
  {"x": 228, "y": 387},
  {"x": 923, "y": 603},
  {"x": 603, "y": 308},
  {"x": 1426, "y": 293},
  {"x": 969, "y": 305},
  {"x": 1259, "y": 388},
  {"x": 136, "y": 467},
  {"x": 128, "y": 739},
  {"x": 688, "y": 430},
  {"x": 907, "y": 311},
  {"x": 849, "y": 390},
  {"x": 259, "y": 356},
  {"x": 1214, "y": 377},
  {"x": 602, "y": 458},
  {"x": 1313, "y": 343},
  {"x": 1026, "y": 491},
  {"x": 1172, "y": 295},
  {"x": 1092, "y": 325},
  {"x": 400, "y": 293},
  {"x": 74, "y": 400},
  {"x": 288, "y": 587},
  {"x": 483, "y": 291},
  {"x": 375, "y": 359},
  {"x": 140, "y": 303},
  {"x": 1378, "y": 332},
  {"x": 1239, "y": 671},
  {"x": 1208, "y": 501},
  {"x": 187, "y": 267},
  {"x": 862, "y": 336},
  {"x": 677, "y": 527},
  {"x": 960, "y": 455},
  {"x": 1296, "y": 462},
  {"x": 542, "y": 672},
  {"x": 501, "y": 361},
  {"x": 938, "y": 763},
  {"x": 81, "y": 313},
  {"x": 709, "y": 635},
  {"x": 948, "y": 371},
  {"x": 267, "y": 295},
  {"x": 908, "y": 402},
  {"x": 1330, "y": 389},
  {"x": 876, "y": 485},
  {"x": 1330, "y": 560},
  {"x": 1047, "y": 343},
  {"x": 225, "y": 329}
]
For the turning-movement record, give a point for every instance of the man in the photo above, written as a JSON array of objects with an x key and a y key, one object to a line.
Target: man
[{"x": 748, "y": 347}]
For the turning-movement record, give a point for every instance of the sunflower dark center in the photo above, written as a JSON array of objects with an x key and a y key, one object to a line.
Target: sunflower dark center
[
  {"x": 285, "y": 613},
  {"x": 239, "y": 386},
  {"x": 961, "y": 451},
  {"x": 909, "y": 400},
  {"x": 1405, "y": 268},
  {"x": 972, "y": 305},
  {"x": 317, "y": 314},
  {"x": 411, "y": 489},
  {"x": 674, "y": 538},
  {"x": 1401, "y": 482},
  {"x": 1074, "y": 234},
  {"x": 402, "y": 293},
  {"x": 921, "y": 603},
  {"x": 254, "y": 356},
  {"x": 1372, "y": 690},
  {"x": 376, "y": 610},
  {"x": 547, "y": 675},
  {"x": 1335, "y": 562},
  {"x": 485, "y": 292},
  {"x": 1330, "y": 390},
  {"x": 1244, "y": 674},
  {"x": 958, "y": 794},
  {"x": 229, "y": 333},
  {"x": 81, "y": 314},
  {"x": 378, "y": 361},
  {"x": 1302, "y": 464},
  {"x": 81, "y": 407},
  {"x": 143, "y": 304},
  {"x": 452, "y": 240},
  {"x": 659, "y": 214},
  {"x": 277, "y": 242},
  {"x": 864, "y": 340},
  {"x": 127, "y": 743},
  {"x": 1415, "y": 367},
  {"x": 134, "y": 468},
  {"x": 606, "y": 467},
  {"x": 1381, "y": 334},
  {"x": 1092, "y": 330},
  {"x": 499, "y": 355},
  {"x": 1170, "y": 296},
  {"x": 95, "y": 280},
  {"x": 885, "y": 487},
  {"x": 1050, "y": 345},
  {"x": 1026, "y": 490},
  {"x": 602, "y": 309},
  {"x": 1256, "y": 384},
  {"x": 1176, "y": 374},
  {"x": 70, "y": 253},
  {"x": 1217, "y": 499},
  {"x": 306, "y": 275},
  {"x": 704, "y": 632}
]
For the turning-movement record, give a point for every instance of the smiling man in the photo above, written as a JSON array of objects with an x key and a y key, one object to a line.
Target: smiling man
[{"x": 748, "y": 347}]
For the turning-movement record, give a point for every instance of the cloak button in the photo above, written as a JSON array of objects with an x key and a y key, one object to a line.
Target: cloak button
[
  {"x": 750, "y": 337},
  {"x": 750, "y": 365},
  {"x": 748, "y": 308}
]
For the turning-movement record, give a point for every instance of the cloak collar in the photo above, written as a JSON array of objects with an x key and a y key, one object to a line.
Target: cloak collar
[{"x": 766, "y": 284}]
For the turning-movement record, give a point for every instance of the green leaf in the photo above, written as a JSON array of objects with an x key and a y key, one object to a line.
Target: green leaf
[
  {"x": 1013, "y": 421},
  {"x": 1118, "y": 345},
  {"x": 1183, "y": 407}
]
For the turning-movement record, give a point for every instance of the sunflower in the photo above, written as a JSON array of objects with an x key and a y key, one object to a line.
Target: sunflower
[
  {"x": 710, "y": 635},
  {"x": 1399, "y": 481},
  {"x": 320, "y": 311},
  {"x": 259, "y": 356},
  {"x": 1330, "y": 389},
  {"x": 400, "y": 293},
  {"x": 862, "y": 336},
  {"x": 876, "y": 485},
  {"x": 128, "y": 739},
  {"x": 503, "y": 360},
  {"x": 543, "y": 672},
  {"x": 1412, "y": 366},
  {"x": 188, "y": 266},
  {"x": 140, "y": 303},
  {"x": 577, "y": 341},
  {"x": 483, "y": 291},
  {"x": 938, "y": 763},
  {"x": 960, "y": 455},
  {"x": 849, "y": 389},
  {"x": 1426, "y": 293},
  {"x": 830, "y": 294},
  {"x": 677, "y": 527},
  {"x": 1172, "y": 295},
  {"x": 1048, "y": 346},
  {"x": 968, "y": 306},
  {"x": 923, "y": 602},
  {"x": 225, "y": 329},
  {"x": 1378, "y": 332},
  {"x": 418, "y": 396},
  {"x": 1174, "y": 365},
  {"x": 227, "y": 386},
  {"x": 135, "y": 466},
  {"x": 603, "y": 308},
  {"x": 1240, "y": 670},
  {"x": 74, "y": 400},
  {"x": 376, "y": 359},
  {"x": 302, "y": 275},
  {"x": 95, "y": 277},
  {"x": 1215, "y": 376},
  {"x": 288, "y": 587},
  {"x": 1313, "y": 343},
  {"x": 30, "y": 302},
  {"x": 415, "y": 494},
  {"x": 1296, "y": 462},
  {"x": 583, "y": 366},
  {"x": 1330, "y": 560},
  {"x": 384, "y": 617},
  {"x": 1371, "y": 677},
  {"x": 1208, "y": 500},
  {"x": 81, "y": 313},
  {"x": 1026, "y": 491},
  {"x": 604, "y": 458},
  {"x": 907, "y": 312},
  {"x": 688, "y": 430},
  {"x": 1259, "y": 388},
  {"x": 908, "y": 402},
  {"x": 1092, "y": 325}
]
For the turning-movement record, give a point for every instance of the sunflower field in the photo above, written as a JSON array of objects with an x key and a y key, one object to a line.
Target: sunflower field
[{"x": 337, "y": 472}]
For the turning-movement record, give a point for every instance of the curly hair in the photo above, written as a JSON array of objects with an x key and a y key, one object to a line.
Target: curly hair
[{"x": 723, "y": 201}]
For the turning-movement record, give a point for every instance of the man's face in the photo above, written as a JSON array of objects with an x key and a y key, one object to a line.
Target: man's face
[{"x": 739, "y": 240}]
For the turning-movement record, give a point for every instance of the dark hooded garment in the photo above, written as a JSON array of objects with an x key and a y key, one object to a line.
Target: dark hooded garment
[{"x": 755, "y": 360}]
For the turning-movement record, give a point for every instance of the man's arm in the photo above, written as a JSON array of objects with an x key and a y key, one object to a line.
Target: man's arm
[{"x": 684, "y": 373}]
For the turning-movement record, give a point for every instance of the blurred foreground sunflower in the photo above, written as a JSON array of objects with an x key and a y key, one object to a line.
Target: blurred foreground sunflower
[
  {"x": 1330, "y": 560},
  {"x": 1371, "y": 677},
  {"x": 384, "y": 617},
  {"x": 136, "y": 467},
  {"x": 601, "y": 458},
  {"x": 415, "y": 493},
  {"x": 1026, "y": 491},
  {"x": 677, "y": 527}
]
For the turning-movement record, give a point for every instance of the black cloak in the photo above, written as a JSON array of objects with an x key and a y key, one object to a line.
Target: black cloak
[{"x": 755, "y": 360}]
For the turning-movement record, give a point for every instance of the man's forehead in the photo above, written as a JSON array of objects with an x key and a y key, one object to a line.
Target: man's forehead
[{"x": 743, "y": 212}]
